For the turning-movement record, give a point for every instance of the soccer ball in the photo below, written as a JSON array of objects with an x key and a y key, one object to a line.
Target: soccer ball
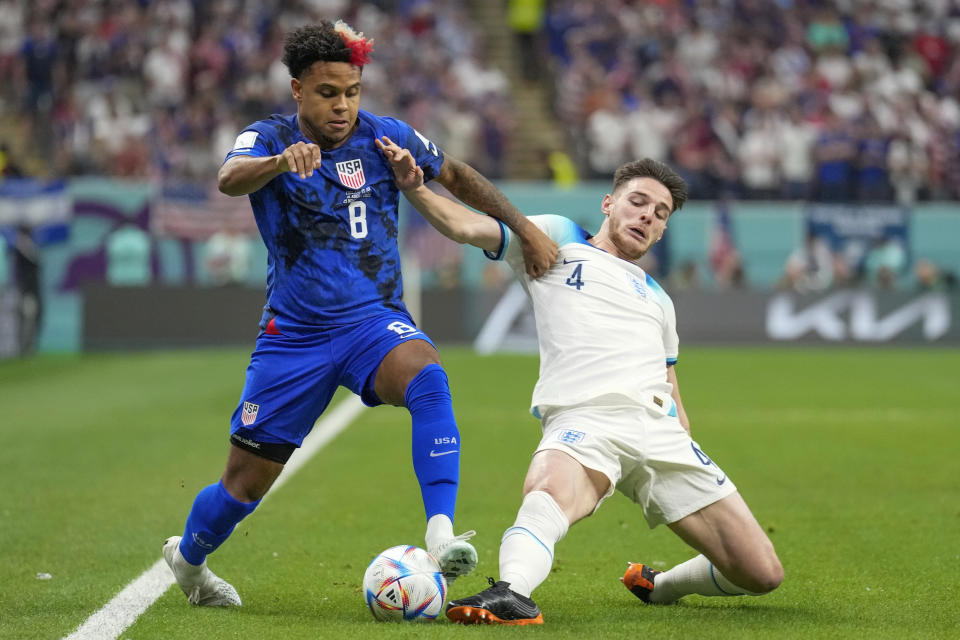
[{"x": 404, "y": 583}]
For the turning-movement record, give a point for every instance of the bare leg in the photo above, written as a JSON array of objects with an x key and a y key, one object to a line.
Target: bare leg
[
  {"x": 248, "y": 476},
  {"x": 738, "y": 557},
  {"x": 558, "y": 491}
]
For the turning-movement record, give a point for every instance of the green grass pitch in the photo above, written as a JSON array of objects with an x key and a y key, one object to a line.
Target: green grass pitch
[{"x": 850, "y": 458}]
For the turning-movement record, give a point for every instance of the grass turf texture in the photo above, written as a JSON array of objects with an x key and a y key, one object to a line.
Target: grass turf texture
[{"x": 847, "y": 457}]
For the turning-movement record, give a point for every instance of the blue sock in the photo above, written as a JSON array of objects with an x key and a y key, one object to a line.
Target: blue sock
[
  {"x": 436, "y": 440},
  {"x": 214, "y": 515}
]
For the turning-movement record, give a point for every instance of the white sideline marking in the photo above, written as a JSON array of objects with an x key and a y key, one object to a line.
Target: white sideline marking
[{"x": 125, "y": 607}]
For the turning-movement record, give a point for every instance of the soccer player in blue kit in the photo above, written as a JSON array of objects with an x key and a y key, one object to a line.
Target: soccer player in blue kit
[{"x": 325, "y": 203}]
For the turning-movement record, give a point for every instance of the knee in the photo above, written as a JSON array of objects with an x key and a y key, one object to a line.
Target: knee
[
  {"x": 250, "y": 482},
  {"x": 775, "y": 575},
  {"x": 429, "y": 385},
  {"x": 766, "y": 577},
  {"x": 245, "y": 489}
]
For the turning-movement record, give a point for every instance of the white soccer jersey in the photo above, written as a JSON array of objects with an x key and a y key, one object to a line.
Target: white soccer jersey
[{"x": 607, "y": 330}]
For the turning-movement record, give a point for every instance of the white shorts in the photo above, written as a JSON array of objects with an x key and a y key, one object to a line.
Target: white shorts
[{"x": 647, "y": 455}]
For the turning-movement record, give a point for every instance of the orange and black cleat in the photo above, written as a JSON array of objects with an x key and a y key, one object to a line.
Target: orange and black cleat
[
  {"x": 497, "y": 605},
  {"x": 639, "y": 579}
]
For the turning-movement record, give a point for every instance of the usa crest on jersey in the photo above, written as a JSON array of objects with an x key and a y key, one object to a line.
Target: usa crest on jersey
[{"x": 351, "y": 173}]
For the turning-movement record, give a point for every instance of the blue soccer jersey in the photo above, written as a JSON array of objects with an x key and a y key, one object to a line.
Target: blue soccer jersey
[{"x": 331, "y": 238}]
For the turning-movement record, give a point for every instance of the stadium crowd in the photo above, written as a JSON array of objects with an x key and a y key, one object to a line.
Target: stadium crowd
[
  {"x": 159, "y": 89},
  {"x": 833, "y": 101},
  {"x": 853, "y": 100}
]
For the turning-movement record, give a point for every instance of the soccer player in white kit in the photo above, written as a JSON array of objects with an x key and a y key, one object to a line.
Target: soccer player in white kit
[{"x": 609, "y": 402}]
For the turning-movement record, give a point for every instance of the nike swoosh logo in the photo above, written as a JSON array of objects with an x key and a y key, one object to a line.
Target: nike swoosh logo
[
  {"x": 565, "y": 261},
  {"x": 720, "y": 481},
  {"x": 434, "y": 454}
]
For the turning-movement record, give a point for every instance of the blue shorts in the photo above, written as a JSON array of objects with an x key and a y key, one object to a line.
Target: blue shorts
[{"x": 294, "y": 372}]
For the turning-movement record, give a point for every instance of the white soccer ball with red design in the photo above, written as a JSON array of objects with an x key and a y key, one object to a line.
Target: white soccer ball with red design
[{"x": 404, "y": 583}]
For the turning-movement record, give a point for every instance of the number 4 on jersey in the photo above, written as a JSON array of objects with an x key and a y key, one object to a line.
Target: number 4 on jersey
[{"x": 574, "y": 280}]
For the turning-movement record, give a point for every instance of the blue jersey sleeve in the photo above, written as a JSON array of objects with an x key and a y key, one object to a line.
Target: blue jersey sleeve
[
  {"x": 427, "y": 154},
  {"x": 257, "y": 140}
]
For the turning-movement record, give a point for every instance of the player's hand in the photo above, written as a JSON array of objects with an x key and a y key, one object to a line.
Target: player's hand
[
  {"x": 539, "y": 250},
  {"x": 406, "y": 173},
  {"x": 300, "y": 157}
]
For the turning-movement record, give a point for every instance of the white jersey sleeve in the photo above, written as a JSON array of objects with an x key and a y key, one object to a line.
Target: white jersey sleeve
[
  {"x": 671, "y": 341},
  {"x": 605, "y": 328}
]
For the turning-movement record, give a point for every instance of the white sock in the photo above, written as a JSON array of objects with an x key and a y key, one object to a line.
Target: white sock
[
  {"x": 439, "y": 529},
  {"x": 697, "y": 575},
  {"x": 526, "y": 549}
]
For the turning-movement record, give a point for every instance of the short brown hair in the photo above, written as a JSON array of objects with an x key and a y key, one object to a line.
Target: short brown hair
[{"x": 649, "y": 168}]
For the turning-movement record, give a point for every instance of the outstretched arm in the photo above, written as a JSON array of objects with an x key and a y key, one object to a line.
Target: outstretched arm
[
  {"x": 464, "y": 182},
  {"x": 241, "y": 175},
  {"x": 675, "y": 394},
  {"x": 450, "y": 218}
]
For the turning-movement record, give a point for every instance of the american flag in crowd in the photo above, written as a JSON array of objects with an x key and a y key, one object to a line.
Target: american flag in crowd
[{"x": 197, "y": 212}]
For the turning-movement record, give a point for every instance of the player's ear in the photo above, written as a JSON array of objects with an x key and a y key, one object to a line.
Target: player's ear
[
  {"x": 296, "y": 89},
  {"x": 606, "y": 204}
]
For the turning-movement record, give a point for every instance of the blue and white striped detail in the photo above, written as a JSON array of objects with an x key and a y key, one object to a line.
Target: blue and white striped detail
[
  {"x": 504, "y": 243},
  {"x": 561, "y": 230},
  {"x": 523, "y": 530}
]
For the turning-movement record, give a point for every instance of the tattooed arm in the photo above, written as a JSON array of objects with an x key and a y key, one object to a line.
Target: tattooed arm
[{"x": 471, "y": 188}]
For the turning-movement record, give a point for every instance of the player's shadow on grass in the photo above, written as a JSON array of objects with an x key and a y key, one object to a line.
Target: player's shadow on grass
[{"x": 744, "y": 612}]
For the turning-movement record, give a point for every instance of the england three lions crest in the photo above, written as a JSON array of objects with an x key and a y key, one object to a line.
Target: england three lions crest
[{"x": 351, "y": 173}]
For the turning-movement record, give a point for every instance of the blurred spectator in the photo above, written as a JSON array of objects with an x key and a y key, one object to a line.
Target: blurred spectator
[
  {"x": 795, "y": 139},
  {"x": 559, "y": 168},
  {"x": 873, "y": 180},
  {"x": 227, "y": 257},
  {"x": 885, "y": 263},
  {"x": 694, "y": 148},
  {"x": 608, "y": 149},
  {"x": 844, "y": 272},
  {"x": 826, "y": 31},
  {"x": 26, "y": 264},
  {"x": 525, "y": 18},
  {"x": 907, "y": 164},
  {"x": 685, "y": 278},
  {"x": 725, "y": 260},
  {"x": 835, "y": 152},
  {"x": 759, "y": 156},
  {"x": 495, "y": 136},
  {"x": 929, "y": 278},
  {"x": 652, "y": 124},
  {"x": 810, "y": 268},
  {"x": 9, "y": 168},
  {"x": 40, "y": 53}
]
